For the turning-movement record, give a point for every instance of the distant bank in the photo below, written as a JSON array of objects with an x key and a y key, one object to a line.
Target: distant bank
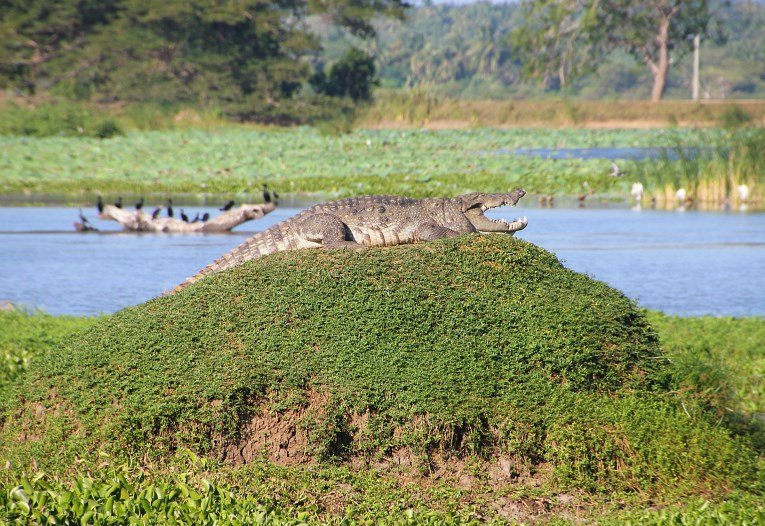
[{"x": 403, "y": 110}]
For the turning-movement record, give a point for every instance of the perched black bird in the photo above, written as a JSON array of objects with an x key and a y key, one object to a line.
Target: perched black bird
[
  {"x": 118, "y": 202},
  {"x": 169, "y": 208},
  {"x": 205, "y": 217},
  {"x": 84, "y": 225},
  {"x": 184, "y": 216},
  {"x": 196, "y": 218},
  {"x": 100, "y": 205},
  {"x": 227, "y": 206},
  {"x": 155, "y": 214},
  {"x": 267, "y": 195},
  {"x": 139, "y": 204}
]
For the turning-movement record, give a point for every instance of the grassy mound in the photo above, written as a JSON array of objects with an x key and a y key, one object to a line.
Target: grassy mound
[{"x": 476, "y": 351}]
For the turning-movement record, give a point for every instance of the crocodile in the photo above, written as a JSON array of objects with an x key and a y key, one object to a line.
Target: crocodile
[{"x": 373, "y": 221}]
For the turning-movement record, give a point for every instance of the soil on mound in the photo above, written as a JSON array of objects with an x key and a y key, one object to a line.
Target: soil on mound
[{"x": 480, "y": 346}]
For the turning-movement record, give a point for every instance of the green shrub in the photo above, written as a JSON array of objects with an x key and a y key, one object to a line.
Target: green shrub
[
  {"x": 25, "y": 335},
  {"x": 735, "y": 117},
  {"x": 107, "y": 128}
]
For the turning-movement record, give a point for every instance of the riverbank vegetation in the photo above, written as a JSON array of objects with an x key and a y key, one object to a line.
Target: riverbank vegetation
[
  {"x": 409, "y": 110},
  {"x": 603, "y": 420},
  {"x": 414, "y": 162}
]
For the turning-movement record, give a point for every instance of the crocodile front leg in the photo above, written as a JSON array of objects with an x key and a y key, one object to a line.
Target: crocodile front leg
[{"x": 432, "y": 231}]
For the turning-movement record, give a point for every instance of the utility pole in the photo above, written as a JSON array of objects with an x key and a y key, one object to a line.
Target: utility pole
[{"x": 695, "y": 81}]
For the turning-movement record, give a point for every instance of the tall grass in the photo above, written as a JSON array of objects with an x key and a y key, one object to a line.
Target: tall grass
[
  {"x": 51, "y": 118},
  {"x": 712, "y": 173},
  {"x": 419, "y": 107},
  {"x": 63, "y": 119}
]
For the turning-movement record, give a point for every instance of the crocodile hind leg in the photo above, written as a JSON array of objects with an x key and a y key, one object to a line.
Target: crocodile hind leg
[{"x": 327, "y": 231}]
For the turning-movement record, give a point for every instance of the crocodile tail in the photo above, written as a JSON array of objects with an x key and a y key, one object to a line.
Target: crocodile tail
[{"x": 261, "y": 244}]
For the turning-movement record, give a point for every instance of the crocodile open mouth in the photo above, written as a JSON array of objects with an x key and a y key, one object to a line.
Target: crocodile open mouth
[
  {"x": 486, "y": 225},
  {"x": 501, "y": 225}
]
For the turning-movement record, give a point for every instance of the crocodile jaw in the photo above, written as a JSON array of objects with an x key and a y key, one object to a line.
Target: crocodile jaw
[{"x": 502, "y": 226}]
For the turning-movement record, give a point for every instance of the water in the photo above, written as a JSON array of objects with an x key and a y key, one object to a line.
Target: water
[{"x": 686, "y": 263}]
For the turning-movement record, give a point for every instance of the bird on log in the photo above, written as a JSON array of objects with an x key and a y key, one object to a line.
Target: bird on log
[
  {"x": 139, "y": 204},
  {"x": 155, "y": 214},
  {"x": 184, "y": 216},
  {"x": 227, "y": 206},
  {"x": 84, "y": 225},
  {"x": 140, "y": 221},
  {"x": 100, "y": 205},
  {"x": 170, "y": 208},
  {"x": 118, "y": 203}
]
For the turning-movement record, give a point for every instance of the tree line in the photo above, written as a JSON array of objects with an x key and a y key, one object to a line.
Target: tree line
[
  {"x": 295, "y": 60},
  {"x": 589, "y": 49}
]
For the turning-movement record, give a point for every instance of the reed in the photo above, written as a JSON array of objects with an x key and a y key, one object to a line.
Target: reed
[{"x": 727, "y": 168}]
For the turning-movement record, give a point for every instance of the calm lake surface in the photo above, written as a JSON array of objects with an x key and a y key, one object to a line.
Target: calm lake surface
[{"x": 686, "y": 263}]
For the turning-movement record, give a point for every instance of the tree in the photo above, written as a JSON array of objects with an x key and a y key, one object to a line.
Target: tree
[
  {"x": 249, "y": 57},
  {"x": 352, "y": 76},
  {"x": 570, "y": 37}
]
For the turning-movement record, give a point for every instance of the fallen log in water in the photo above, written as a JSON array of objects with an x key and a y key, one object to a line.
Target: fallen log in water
[{"x": 139, "y": 221}]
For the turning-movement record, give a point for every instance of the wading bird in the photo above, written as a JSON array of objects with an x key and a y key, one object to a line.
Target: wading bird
[
  {"x": 743, "y": 192},
  {"x": 637, "y": 192},
  {"x": 615, "y": 172}
]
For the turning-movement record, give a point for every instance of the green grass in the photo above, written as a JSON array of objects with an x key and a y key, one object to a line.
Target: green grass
[
  {"x": 61, "y": 119},
  {"x": 25, "y": 335},
  {"x": 485, "y": 348},
  {"x": 302, "y": 160}
]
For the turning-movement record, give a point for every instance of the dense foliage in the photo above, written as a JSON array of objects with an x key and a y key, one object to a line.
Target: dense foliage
[{"x": 253, "y": 58}]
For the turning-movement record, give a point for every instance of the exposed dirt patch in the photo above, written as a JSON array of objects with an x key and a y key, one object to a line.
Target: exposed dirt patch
[
  {"x": 491, "y": 484},
  {"x": 279, "y": 436}
]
